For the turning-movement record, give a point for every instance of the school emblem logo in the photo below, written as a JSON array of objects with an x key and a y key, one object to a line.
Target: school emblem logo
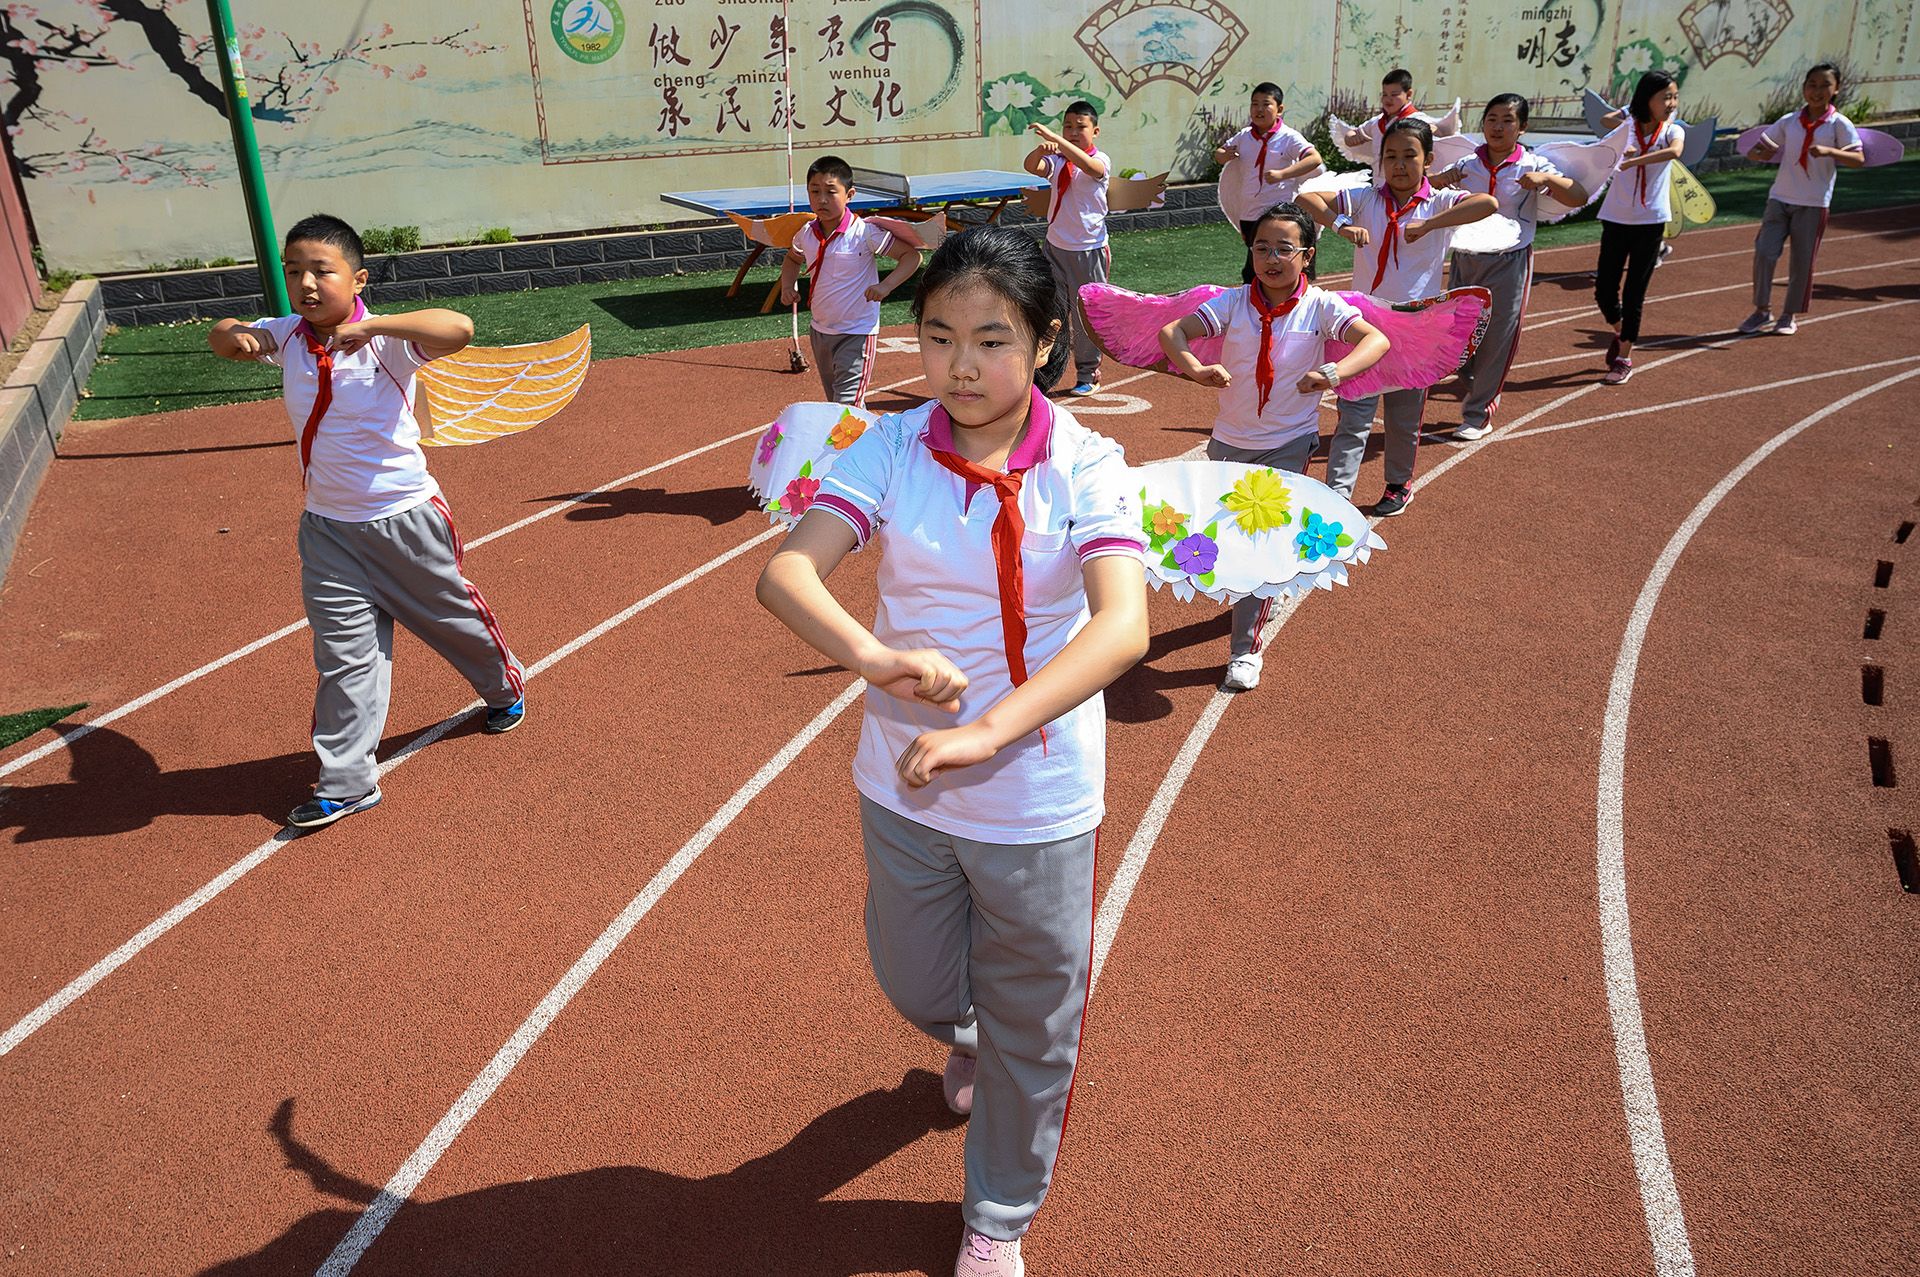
[
  {"x": 588, "y": 30},
  {"x": 1744, "y": 29},
  {"x": 1135, "y": 42}
]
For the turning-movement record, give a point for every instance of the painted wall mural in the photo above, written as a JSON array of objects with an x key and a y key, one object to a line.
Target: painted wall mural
[{"x": 558, "y": 115}]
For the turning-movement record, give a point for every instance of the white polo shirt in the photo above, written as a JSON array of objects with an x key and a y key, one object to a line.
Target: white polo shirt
[
  {"x": 939, "y": 589},
  {"x": 1299, "y": 346},
  {"x": 1245, "y": 192},
  {"x": 1414, "y": 271},
  {"x": 839, "y": 299},
  {"x": 1622, "y": 204},
  {"x": 1078, "y": 221},
  {"x": 366, "y": 461},
  {"x": 1516, "y": 201},
  {"x": 1813, "y": 186}
]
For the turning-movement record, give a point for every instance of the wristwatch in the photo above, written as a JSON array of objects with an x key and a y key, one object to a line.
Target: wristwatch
[
  {"x": 1341, "y": 221},
  {"x": 1331, "y": 372}
]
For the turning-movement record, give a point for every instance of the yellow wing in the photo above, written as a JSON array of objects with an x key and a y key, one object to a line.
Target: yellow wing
[
  {"x": 488, "y": 391},
  {"x": 1695, "y": 200},
  {"x": 774, "y": 232}
]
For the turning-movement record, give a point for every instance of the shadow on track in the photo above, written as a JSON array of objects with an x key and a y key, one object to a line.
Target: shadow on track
[{"x": 769, "y": 1215}]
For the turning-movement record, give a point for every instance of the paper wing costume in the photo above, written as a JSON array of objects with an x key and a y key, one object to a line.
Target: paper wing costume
[
  {"x": 1699, "y": 136},
  {"x": 1124, "y": 195},
  {"x": 1879, "y": 148},
  {"x": 1448, "y": 148},
  {"x": 1692, "y": 203},
  {"x": 1430, "y": 338},
  {"x": 797, "y": 451},
  {"x": 1589, "y": 163},
  {"x": 1230, "y": 531},
  {"x": 485, "y": 392}
]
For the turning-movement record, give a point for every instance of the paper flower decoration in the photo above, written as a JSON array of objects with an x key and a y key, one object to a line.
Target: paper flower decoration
[
  {"x": 1319, "y": 539},
  {"x": 799, "y": 495},
  {"x": 1196, "y": 554},
  {"x": 1258, "y": 502},
  {"x": 846, "y": 431},
  {"x": 1166, "y": 521},
  {"x": 768, "y": 442}
]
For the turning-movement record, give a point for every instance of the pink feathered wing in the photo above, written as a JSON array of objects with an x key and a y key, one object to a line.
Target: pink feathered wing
[{"x": 1430, "y": 339}]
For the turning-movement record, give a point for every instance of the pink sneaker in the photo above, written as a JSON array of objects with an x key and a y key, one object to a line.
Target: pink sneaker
[
  {"x": 982, "y": 1256},
  {"x": 957, "y": 1081}
]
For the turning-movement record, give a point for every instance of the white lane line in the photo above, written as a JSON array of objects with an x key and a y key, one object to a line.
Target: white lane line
[
  {"x": 1707, "y": 257},
  {"x": 383, "y": 1208},
  {"x": 1753, "y": 224},
  {"x": 1712, "y": 398},
  {"x": 53, "y": 1006},
  {"x": 1661, "y": 342},
  {"x": 1666, "y": 1224},
  {"x": 1571, "y": 313}
]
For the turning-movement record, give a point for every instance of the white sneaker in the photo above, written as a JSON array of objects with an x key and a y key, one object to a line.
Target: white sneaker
[
  {"x": 1243, "y": 674},
  {"x": 983, "y": 1256},
  {"x": 1786, "y": 327},
  {"x": 1758, "y": 321},
  {"x": 1470, "y": 433}
]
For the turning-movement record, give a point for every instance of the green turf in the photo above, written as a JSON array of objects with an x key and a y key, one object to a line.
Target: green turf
[
  {"x": 167, "y": 366},
  {"x": 16, "y": 727}
]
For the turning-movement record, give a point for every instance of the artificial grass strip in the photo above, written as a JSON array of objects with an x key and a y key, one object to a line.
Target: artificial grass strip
[
  {"x": 163, "y": 367},
  {"x": 17, "y": 727}
]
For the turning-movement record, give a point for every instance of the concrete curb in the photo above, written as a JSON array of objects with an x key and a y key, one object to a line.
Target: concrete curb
[{"x": 37, "y": 400}]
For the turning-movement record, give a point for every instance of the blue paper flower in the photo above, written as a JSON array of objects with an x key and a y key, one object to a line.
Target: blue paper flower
[{"x": 1318, "y": 539}]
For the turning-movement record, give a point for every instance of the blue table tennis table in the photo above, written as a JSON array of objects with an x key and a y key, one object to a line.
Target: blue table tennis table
[{"x": 875, "y": 191}]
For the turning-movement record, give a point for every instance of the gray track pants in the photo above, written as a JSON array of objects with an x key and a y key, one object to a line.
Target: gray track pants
[
  {"x": 358, "y": 578},
  {"x": 1509, "y": 277},
  {"x": 1072, "y": 268},
  {"x": 1404, "y": 411},
  {"x": 987, "y": 947},
  {"x": 1804, "y": 224},
  {"x": 1250, "y": 615},
  {"x": 845, "y": 364}
]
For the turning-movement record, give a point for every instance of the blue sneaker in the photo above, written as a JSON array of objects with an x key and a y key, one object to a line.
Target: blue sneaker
[
  {"x": 505, "y": 720},
  {"x": 1086, "y": 388},
  {"x": 324, "y": 811}
]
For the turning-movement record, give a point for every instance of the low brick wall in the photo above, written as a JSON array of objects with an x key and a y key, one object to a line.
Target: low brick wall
[
  {"x": 178, "y": 296},
  {"x": 38, "y": 398}
]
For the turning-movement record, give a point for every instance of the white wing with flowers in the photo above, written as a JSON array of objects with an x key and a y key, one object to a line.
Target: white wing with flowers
[{"x": 797, "y": 450}]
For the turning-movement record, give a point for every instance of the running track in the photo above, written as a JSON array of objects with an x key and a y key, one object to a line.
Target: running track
[{"x": 1572, "y": 785}]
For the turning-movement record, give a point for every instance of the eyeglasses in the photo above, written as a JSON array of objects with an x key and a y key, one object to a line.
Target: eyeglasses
[{"x": 1286, "y": 252}]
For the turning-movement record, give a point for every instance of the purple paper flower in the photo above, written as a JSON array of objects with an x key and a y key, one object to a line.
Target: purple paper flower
[
  {"x": 768, "y": 442},
  {"x": 1197, "y": 554}
]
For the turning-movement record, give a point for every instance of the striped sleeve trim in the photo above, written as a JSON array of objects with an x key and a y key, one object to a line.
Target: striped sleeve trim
[
  {"x": 1100, "y": 546},
  {"x": 847, "y": 510},
  {"x": 1208, "y": 323}
]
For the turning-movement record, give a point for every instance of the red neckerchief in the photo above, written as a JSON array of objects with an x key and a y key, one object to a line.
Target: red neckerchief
[
  {"x": 1009, "y": 529},
  {"x": 1391, "y": 244},
  {"x": 1807, "y": 127},
  {"x": 323, "y": 389},
  {"x": 1402, "y": 114},
  {"x": 820, "y": 258},
  {"x": 1644, "y": 144},
  {"x": 1263, "y": 370},
  {"x": 1493, "y": 170},
  {"x": 1260, "y": 165},
  {"x": 1061, "y": 181}
]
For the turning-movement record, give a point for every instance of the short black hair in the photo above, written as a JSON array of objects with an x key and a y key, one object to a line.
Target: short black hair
[
  {"x": 1271, "y": 89},
  {"x": 1012, "y": 264},
  {"x": 834, "y": 167},
  {"x": 1082, "y": 107},
  {"x": 1514, "y": 100},
  {"x": 1294, "y": 214},
  {"x": 1420, "y": 130},
  {"x": 1399, "y": 77},
  {"x": 1652, "y": 84},
  {"x": 324, "y": 228}
]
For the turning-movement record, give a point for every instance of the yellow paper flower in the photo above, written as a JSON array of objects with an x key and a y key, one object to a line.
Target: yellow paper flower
[
  {"x": 1167, "y": 520},
  {"x": 1259, "y": 502},
  {"x": 846, "y": 430}
]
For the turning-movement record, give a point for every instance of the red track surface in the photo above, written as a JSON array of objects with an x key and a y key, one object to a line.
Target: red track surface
[{"x": 1355, "y": 1020}]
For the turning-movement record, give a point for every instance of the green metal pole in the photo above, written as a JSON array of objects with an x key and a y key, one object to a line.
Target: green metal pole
[{"x": 246, "y": 151}]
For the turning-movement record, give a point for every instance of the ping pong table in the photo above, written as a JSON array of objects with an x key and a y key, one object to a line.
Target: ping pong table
[{"x": 875, "y": 191}]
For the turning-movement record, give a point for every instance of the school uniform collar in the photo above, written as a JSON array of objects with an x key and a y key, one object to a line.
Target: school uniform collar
[
  {"x": 846, "y": 220},
  {"x": 1035, "y": 446},
  {"x": 1486, "y": 156},
  {"x": 1424, "y": 191}
]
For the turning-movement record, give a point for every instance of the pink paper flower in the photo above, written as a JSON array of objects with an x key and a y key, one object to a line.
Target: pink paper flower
[
  {"x": 768, "y": 442},
  {"x": 800, "y": 494}
]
